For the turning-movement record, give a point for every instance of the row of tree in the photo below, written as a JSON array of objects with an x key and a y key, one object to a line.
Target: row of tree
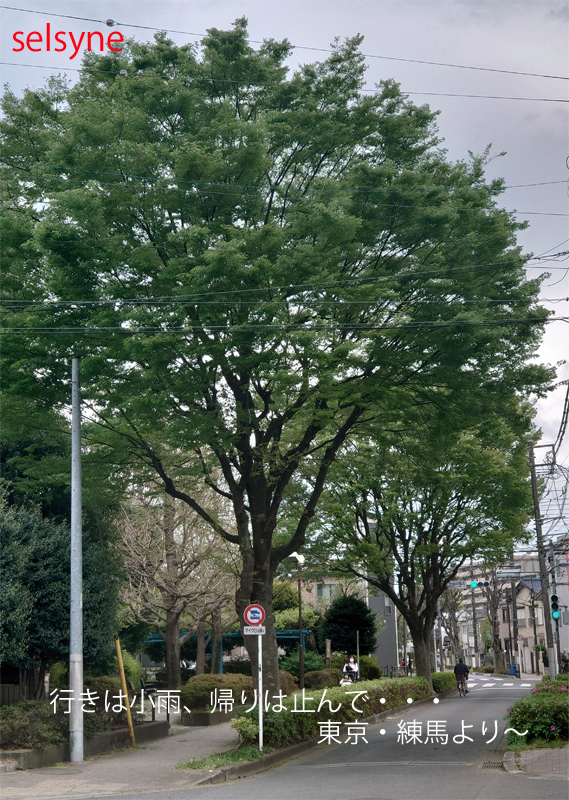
[{"x": 296, "y": 316}]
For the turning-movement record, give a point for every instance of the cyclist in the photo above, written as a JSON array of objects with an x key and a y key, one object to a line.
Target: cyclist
[{"x": 460, "y": 670}]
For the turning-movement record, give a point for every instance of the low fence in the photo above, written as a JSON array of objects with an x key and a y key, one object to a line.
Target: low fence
[{"x": 12, "y": 693}]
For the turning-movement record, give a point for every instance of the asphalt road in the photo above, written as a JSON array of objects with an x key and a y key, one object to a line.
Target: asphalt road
[{"x": 400, "y": 761}]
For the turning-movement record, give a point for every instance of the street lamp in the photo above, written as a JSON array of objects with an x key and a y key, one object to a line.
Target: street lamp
[{"x": 299, "y": 560}]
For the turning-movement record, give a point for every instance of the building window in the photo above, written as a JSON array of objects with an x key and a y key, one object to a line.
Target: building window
[
  {"x": 388, "y": 608},
  {"x": 325, "y": 592},
  {"x": 505, "y": 614}
]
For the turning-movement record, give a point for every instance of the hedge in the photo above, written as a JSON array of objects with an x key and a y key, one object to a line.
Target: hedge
[
  {"x": 289, "y": 684},
  {"x": 196, "y": 693},
  {"x": 32, "y": 724},
  {"x": 322, "y": 678},
  {"x": 288, "y": 727},
  {"x": 312, "y": 661},
  {"x": 544, "y": 714},
  {"x": 369, "y": 666},
  {"x": 443, "y": 681},
  {"x": 238, "y": 666}
]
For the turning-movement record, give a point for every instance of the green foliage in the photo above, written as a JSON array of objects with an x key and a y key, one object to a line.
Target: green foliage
[
  {"x": 287, "y": 727},
  {"x": 312, "y": 661},
  {"x": 32, "y": 724},
  {"x": 544, "y": 714},
  {"x": 225, "y": 759},
  {"x": 321, "y": 678},
  {"x": 288, "y": 683},
  {"x": 34, "y": 593},
  {"x": 247, "y": 729},
  {"x": 238, "y": 666},
  {"x": 369, "y": 668},
  {"x": 346, "y": 615},
  {"x": 132, "y": 669},
  {"x": 443, "y": 681},
  {"x": 196, "y": 693},
  {"x": 285, "y": 597}
]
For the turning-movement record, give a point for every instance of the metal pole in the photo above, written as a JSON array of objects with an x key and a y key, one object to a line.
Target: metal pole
[
  {"x": 515, "y": 624},
  {"x": 358, "y": 653},
  {"x": 301, "y": 637},
  {"x": 125, "y": 692},
  {"x": 474, "y": 620},
  {"x": 76, "y": 589},
  {"x": 260, "y": 689},
  {"x": 554, "y": 591},
  {"x": 542, "y": 567}
]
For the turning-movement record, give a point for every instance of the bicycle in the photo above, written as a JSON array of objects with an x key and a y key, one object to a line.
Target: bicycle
[{"x": 461, "y": 685}]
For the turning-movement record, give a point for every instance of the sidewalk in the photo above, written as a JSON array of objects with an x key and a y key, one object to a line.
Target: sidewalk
[
  {"x": 547, "y": 763},
  {"x": 149, "y": 766}
]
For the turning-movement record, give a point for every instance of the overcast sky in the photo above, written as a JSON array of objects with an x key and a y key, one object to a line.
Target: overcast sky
[{"x": 520, "y": 36}]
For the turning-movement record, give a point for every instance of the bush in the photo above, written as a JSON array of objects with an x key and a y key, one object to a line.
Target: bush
[
  {"x": 238, "y": 666},
  {"x": 312, "y": 661},
  {"x": 369, "y": 668},
  {"x": 321, "y": 678},
  {"x": 247, "y": 729},
  {"x": 443, "y": 681},
  {"x": 31, "y": 724},
  {"x": 289, "y": 684},
  {"x": 106, "y": 687},
  {"x": 287, "y": 727},
  {"x": 132, "y": 669},
  {"x": 544, "y": 714},
  {"x": 196, "y": 693}
]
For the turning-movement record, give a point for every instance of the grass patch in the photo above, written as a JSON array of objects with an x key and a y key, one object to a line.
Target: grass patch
[
  {"x": 249, "y": 753},
  {"x": 536, "y": 744}
]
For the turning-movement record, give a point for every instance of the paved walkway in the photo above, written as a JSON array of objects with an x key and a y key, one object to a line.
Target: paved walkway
[
  {"x": 149, "y": 766},
  {"x": 546, "y": 763}
]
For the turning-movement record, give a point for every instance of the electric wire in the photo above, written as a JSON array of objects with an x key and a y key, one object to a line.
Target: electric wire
[
  {"x": 198, "y": 184},
  {"x": 113, "y": 23},
  {"x": 262, "y": 84}
]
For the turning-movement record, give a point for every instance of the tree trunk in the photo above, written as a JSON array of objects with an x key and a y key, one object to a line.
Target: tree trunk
[
  {"x": 173, "y": 672},
  {"x": 422, "y": 648},
  {"x": 200, "y": 650},
  {"x": 499, "y": 657},
  {"x": 216, "y": 648},
  {"x": 260, "y": 591}
]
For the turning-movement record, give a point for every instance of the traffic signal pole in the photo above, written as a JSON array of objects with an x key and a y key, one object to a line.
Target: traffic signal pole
[
  {"x": 554, "y": 600},
  {"x": 542, "y": 568},
  {"x": 76, "y": 589}
]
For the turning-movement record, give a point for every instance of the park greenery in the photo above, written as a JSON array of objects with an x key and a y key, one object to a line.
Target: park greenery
[{"x": 293, "y": 311}]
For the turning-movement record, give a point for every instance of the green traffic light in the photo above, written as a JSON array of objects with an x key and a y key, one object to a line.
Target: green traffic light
[
  {"x": 555, "y": 614},
  {"x": 473, "y": 584}
]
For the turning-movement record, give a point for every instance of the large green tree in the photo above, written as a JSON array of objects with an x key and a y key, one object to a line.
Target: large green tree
[
  {"x": 34, "y": 595},
  {"x": 254, "y": 265},
  {"x": 405, "y": 514}
]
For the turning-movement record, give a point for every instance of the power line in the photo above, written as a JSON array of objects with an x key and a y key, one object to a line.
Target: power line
[
  {"x": 198, "y": 184},
  {"x": 113, "y": 23},
  {"x": 271, "y": 83},
  {"x": 292, "y": 327}
]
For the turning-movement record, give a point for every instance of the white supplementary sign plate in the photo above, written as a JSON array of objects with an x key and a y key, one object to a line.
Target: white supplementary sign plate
[{"x": 254, "y": 630}]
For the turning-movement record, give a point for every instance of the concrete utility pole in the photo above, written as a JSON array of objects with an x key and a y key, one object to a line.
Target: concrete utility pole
[
  {"x": 515, "y": 622},
  {"x": 542, "y": 567},
  {"x": 535, "y": 650},
  {"x": 440, "y": 627},
  {"x": 76, "y": 621}
]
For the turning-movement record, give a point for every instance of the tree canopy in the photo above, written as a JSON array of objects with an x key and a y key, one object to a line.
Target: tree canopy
[{"x": 254, "y": 266}]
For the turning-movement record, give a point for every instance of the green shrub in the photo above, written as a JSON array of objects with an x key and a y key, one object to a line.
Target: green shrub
[
  {"x": 369, "y": 668},
  {"x": 312, "y": 661},
  {"x": 239, "y": 666},
  {"x": 196, "y": 693},
  {"x": 321, "y": 678},
  {"x": 288, "y": 727},
  {"x": 289, "y": 684},
  {"x": 544, "y": 714},
  {"x": 104, "y": 688},
  {"x": 59, "y": 675},
  {"x": 247, "y": 728},
  {"x": 132, "y": 669},
  {"x": 32, "y": 724},
  {"x": 443, "y": 681}
]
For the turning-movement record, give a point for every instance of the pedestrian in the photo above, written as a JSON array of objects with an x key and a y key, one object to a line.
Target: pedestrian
[
  {"x": 351, "y": 668},
  {"x": 345, "y": 679}
]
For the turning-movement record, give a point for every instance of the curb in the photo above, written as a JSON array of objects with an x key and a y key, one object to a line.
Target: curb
[
  {"x": 248, "y": 768},
  {"x": 509, "y": 763}
]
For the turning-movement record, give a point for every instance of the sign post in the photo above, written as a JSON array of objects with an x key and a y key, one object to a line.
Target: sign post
[{"x": 254, "y": 616}]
